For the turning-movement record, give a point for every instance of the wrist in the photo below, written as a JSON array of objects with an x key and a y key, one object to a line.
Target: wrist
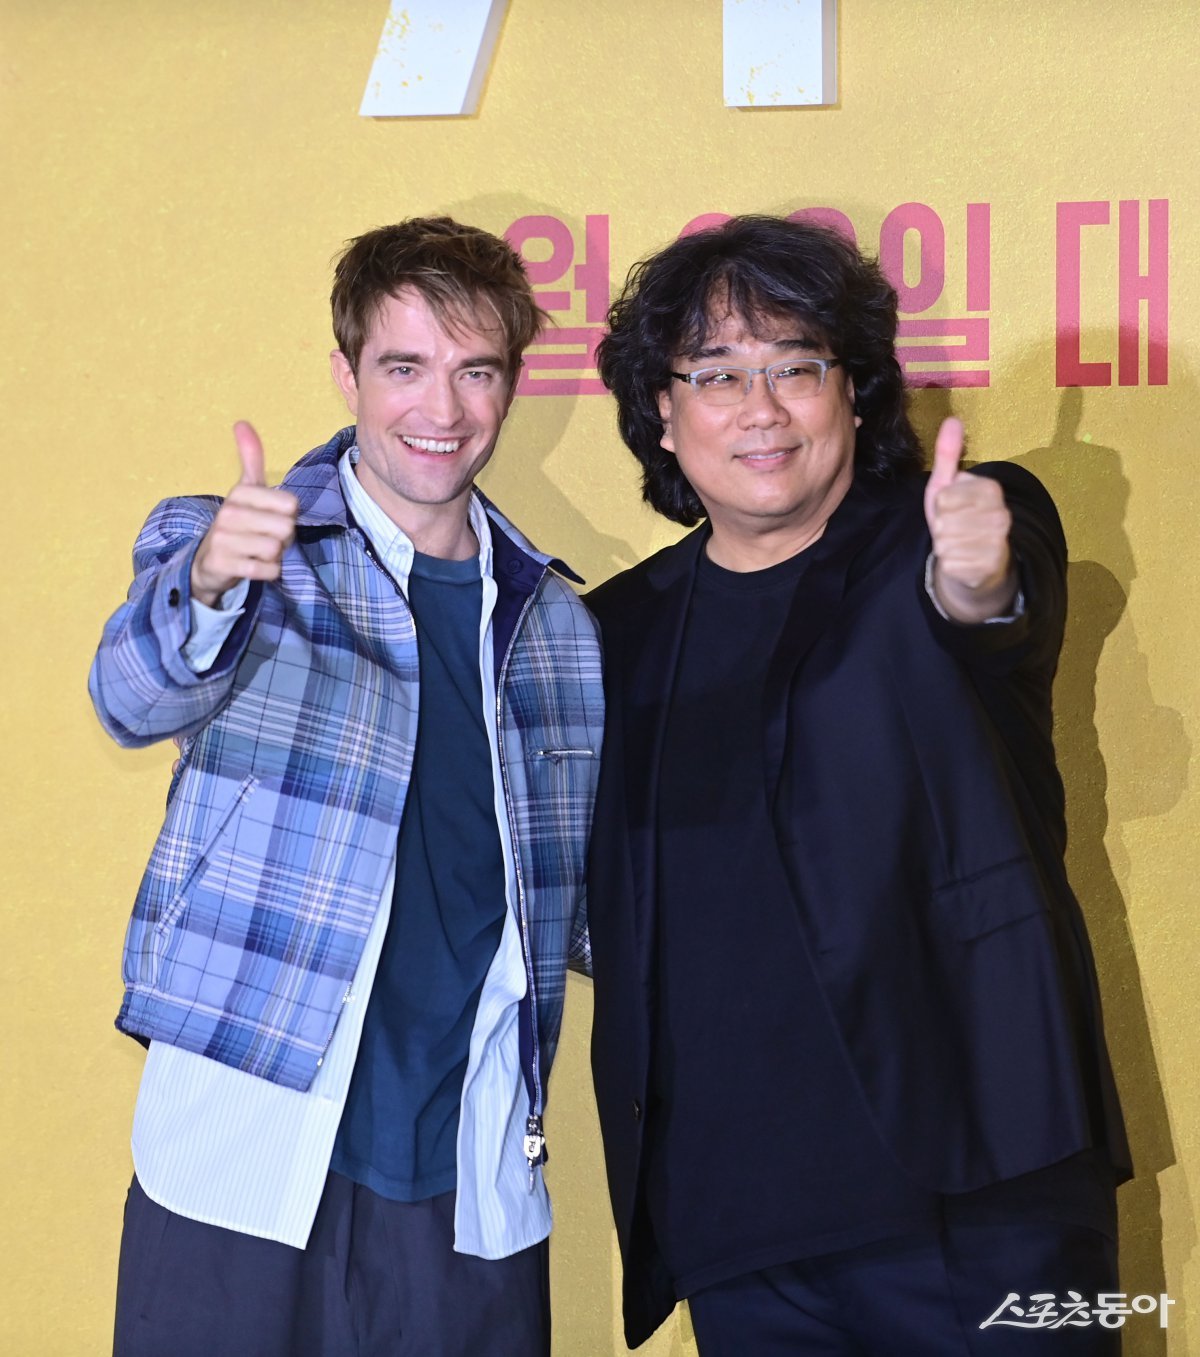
[
  {"x": 969, "y": 604},
  {"x": 202, "y": 592}
]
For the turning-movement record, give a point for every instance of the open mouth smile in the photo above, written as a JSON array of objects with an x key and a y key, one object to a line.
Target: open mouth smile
[{"x": 440, "y": 446}]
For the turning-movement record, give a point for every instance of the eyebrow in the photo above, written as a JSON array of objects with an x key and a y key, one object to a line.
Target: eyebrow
[
  {"x": 801, "y": 344},
  {"x": 485, "y": 360}
]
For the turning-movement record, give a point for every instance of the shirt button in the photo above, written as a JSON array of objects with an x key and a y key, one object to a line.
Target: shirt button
[
  {"x": 513, "y": 567},
  {"x": 173, "y": 598}
]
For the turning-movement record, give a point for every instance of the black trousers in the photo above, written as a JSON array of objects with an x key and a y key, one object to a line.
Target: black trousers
[
  {"x": 921, "y": 1296},
  {"x": 378, "y": 1279}
]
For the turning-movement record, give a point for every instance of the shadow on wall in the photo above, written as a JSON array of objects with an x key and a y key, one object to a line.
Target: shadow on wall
[
  {"x": 1088, "y": 483},
  {"x": 541, "y": 507}
]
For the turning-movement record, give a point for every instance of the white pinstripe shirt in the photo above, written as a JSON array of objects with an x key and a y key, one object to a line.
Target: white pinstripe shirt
[{"x": 218, "y": 1145}]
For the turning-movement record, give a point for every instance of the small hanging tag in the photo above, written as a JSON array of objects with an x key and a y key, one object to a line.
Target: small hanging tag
[{"x": 535, "y": 1141}]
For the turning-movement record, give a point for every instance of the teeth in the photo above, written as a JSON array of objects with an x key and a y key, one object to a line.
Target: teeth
[{"x": 433, "y": 444}]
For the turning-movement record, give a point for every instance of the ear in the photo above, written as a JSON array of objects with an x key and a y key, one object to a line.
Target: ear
[
  {"x": 664, "y": 413},
  {"x": 343, "y": 375},
  {"x": 850, "y": 398}
]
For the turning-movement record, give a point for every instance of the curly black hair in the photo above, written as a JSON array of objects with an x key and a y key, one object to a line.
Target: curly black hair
[{"x": 755, "y": 267}]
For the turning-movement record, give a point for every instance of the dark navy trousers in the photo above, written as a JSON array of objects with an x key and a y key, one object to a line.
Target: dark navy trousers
[
  {"x": 379, "y": 1278},
  {"x": 919, "y": 1296}
]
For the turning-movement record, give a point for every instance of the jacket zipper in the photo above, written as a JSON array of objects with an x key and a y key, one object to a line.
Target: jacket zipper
[{"x": 535, "y": 1139}]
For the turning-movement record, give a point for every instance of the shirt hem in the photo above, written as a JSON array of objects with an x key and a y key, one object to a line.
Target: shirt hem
[
  {"x": 390, "y": 1188},
  {"x": 276, "y": 1236},
  {"x": 475, "y": 1248}
]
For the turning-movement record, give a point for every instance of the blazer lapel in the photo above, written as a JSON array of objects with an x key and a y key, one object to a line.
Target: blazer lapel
[{"x": 648, "y": 687}]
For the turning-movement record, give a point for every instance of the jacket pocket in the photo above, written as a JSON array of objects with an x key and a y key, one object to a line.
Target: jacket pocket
[
  {"x": 179, "y": 901},
  {"x": 565, "y": 752},
  {"x": 993, "y": 898}
]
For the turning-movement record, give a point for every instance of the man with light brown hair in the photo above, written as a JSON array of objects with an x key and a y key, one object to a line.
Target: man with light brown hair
[{"x": 348, "y": 952}]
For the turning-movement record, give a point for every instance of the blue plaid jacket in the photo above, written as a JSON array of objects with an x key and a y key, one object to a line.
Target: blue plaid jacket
[{"x": 281, "y": 823}]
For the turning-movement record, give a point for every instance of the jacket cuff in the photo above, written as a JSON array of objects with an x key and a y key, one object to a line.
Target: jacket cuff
[
  {"x": 1015, "y": 613},
  {"x": 171, "y": 622}
]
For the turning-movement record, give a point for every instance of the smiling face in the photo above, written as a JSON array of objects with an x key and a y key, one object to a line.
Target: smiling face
[
  {"x": 769, "y": 472},
  {"x": 428, "y": 403}
]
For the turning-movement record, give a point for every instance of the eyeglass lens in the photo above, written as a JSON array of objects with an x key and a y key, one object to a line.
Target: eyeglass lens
[{"x": 789, "y": 381}]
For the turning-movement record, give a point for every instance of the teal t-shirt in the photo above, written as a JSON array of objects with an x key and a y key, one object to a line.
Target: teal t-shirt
[{"x": 399, "y": 1129}]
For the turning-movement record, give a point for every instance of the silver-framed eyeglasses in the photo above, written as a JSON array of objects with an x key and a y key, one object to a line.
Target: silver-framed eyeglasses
[{"x": 793, "y": 379}]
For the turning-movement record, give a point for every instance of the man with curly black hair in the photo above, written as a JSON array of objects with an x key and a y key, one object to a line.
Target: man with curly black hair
[{"x": 848, "y": 1047}]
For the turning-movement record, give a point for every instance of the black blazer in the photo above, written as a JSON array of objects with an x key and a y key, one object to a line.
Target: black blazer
[{"x": 910, "y": 773}]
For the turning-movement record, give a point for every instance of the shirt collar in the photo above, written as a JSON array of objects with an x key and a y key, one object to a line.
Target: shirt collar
[{"x": 391, "y": 543}]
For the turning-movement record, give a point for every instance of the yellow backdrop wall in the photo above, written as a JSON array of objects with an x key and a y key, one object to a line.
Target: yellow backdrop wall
[{"x": 177, "y": 179}]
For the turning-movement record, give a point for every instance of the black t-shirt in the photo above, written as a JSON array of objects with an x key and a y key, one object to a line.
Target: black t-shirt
[{"x": 761, "y": 1149}]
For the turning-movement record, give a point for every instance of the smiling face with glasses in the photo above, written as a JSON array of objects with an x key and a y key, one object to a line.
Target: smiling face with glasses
[{"x": 763, "y": 427}]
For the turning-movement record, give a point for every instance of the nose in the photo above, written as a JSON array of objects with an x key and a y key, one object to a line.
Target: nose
[
  {"x": 761, "y": 407},
  {"x": 441, "y": 403}
]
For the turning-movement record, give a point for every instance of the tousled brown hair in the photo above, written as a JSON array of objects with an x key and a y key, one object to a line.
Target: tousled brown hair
[{"x": 462, "y": 272}]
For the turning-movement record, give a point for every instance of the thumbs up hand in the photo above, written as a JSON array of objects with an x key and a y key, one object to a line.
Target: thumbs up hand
[
  {"x": 974, "y": 576},
  {"x": 252, "y": 529}
]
